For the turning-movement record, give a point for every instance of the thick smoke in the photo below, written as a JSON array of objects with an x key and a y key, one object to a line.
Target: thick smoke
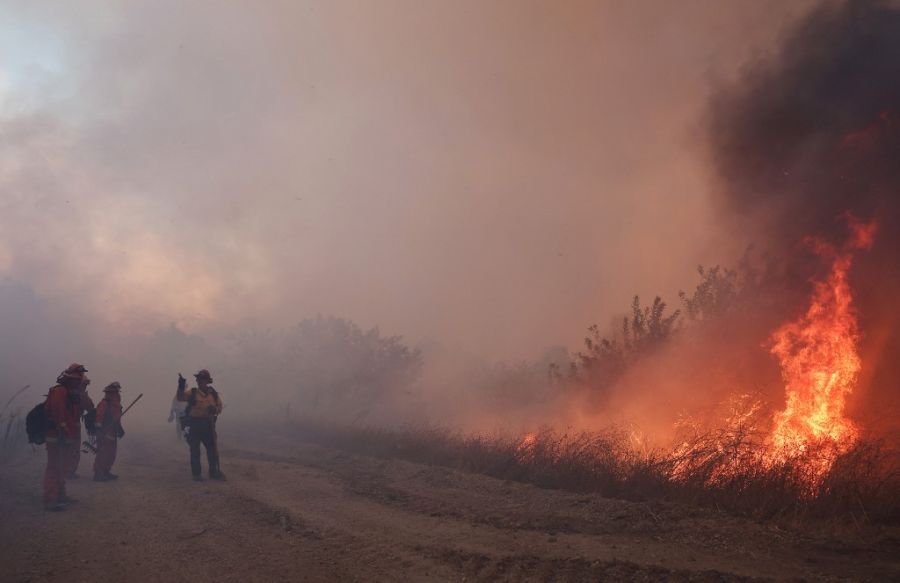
[
  {"x": 490, "y": 177},
  {"x": 810, "y": 136}
]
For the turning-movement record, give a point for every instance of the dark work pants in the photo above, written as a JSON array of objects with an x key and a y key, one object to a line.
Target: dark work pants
[{"x": 203, "y": 430}]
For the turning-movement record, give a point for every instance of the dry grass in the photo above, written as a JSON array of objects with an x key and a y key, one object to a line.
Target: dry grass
[
  {"x": 12, "y": 435},
  {"x": 12, "y": 427},
  {"x": 723, "y": 470}
]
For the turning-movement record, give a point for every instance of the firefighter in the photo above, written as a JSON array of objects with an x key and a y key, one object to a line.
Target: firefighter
[
  {"x": 204, "y": 405},
  {"x": 85, "y": 405},
  {"x": 109, "y": 432},
  {"x": 62, "y": 411}
]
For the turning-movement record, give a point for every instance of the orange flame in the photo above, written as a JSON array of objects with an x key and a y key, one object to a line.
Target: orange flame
[
  {"x": 820, "y": 366},
  {"x": 819, "y": 361}
]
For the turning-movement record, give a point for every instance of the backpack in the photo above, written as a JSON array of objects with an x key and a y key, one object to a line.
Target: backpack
[{"x": 36, "y": 424}]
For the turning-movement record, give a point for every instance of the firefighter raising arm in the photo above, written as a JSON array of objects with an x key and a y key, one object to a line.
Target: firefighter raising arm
[{"x": 204, "y": 405}]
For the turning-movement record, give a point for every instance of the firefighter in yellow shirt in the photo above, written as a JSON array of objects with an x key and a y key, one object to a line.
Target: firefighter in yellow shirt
[{"x": 203, "y": 408}]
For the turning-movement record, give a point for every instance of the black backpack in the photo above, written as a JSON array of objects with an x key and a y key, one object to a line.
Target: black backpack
[{"x": 36, "y": 423}]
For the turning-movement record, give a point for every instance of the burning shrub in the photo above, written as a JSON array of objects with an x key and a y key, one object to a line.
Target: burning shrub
[{"x": 811, "y": 135}]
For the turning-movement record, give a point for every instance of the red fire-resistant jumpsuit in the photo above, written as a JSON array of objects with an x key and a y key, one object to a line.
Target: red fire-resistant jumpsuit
[
  {"x": 85, "y": 404},
  {"x": 109, "y": 415},
  {"x": 62, "y": 435}
]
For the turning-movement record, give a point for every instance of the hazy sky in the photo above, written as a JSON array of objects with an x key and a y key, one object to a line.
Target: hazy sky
[{"x": 491, "y": 174}]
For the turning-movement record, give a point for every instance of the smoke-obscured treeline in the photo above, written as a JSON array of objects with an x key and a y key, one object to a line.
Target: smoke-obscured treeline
[{"x": 648, "y": 367}]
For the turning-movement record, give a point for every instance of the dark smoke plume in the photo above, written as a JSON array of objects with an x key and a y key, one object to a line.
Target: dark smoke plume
[{"x": 812, "y": 135}]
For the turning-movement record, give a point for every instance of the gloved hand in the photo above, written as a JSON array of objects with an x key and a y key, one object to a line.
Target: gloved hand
[
  {"x": 120, "y": 433},
  {"x": 182, "y": 383}
]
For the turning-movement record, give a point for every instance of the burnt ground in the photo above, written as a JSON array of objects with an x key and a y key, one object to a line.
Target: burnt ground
[{"x": 302, "y": 512}]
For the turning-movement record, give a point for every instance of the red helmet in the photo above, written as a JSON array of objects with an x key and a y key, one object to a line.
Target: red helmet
[
  {"x": 113, "y": 387},
  {"x": 203, "y": 374},
  {"x": 75, "y": 372}
]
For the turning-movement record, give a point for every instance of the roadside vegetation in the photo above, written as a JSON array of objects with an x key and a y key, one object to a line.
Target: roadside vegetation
[
  {"x": 12, "y": 428},
  {"x": 714, "y": 460},
  {"x": 724, "y": 472}
]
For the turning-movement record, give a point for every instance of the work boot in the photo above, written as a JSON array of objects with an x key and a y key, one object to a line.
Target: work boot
[
  {"x": 198, "y": 478},
  {"x": 54, "y": 507},
  {"x": 217, "y": 475},
  {"x": 100, "y": 478},
  {"x": 111, "y": 476}
]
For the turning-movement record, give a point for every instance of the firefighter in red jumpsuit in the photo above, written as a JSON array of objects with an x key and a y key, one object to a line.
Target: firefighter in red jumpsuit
[
  {"x": 109, "y": 431},
  {"x": 85, "y": 404},
  {"x": 63, "y": 416}
]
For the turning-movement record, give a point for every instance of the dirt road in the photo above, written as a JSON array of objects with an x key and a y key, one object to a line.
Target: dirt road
[{"x": 299, "y": 512}]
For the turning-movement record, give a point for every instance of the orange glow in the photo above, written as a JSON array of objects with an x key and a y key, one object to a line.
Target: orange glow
[
  {"x": 525, "y": 449},
  {"x": 820, "y": 367},
  {"x": 819, "y": 361}
]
